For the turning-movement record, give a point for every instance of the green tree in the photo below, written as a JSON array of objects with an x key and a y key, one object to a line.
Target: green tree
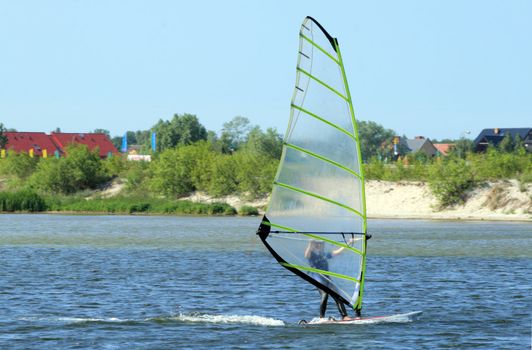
[
  {"x": 3, "y": 137},
  {"x": 20, "y": 165},
  {"x": 82, "y": 169},
  {"x": 234, "y": 133},
  {"x": 102, "y": 131},
  {"x": 181, "y": 130},
  {"x": 507, "y": 144},
  {"x": 269, "y": 143},
  {"x": 461, "y": 148},
  {"x": 372, "y": 137}
]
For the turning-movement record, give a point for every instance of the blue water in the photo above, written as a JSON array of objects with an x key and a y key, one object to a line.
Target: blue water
[{"x": 116, "y": 282}]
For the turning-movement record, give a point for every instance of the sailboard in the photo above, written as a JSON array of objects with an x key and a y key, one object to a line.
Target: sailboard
[
  {"x": 317, "y": 204},
  {"x": 399, "y": 318}
]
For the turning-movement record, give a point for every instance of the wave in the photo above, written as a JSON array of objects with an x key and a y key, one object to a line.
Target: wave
[
  {"x": 237, "y": 319},
  {"x": 192, "y": 318}
]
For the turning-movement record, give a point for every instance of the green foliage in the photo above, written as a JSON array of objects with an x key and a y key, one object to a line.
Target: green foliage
[
  {"x": 234, "y": 133},
  {"x": 247, "y": 210},
  {"x": 451, "y": 180},
  {"x": 80, "y": 170},
  {"x": 255, "y": 173},
  {"x": 269, "y": 144},
  {"x": 181, "y": 130},
  {"x": 224, "y": 179},
  {"x": 173, "y": 171},
  {"x": 3, "y": 137},
  {"x": 461, "y": 148},
  {"x": 140, "y": 205},
  {"x": 21, "y": 201},
  {"x": 375, "y": 140},
  {"x": 138, "y": 175},
  {"x": 20, "y": 165}
]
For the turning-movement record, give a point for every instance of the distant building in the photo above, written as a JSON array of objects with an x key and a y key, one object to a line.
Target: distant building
[
  {"x": 496, "y": 135},
  {"x": 92, "y": 141},
  {"x": 421, "y": 144},
  {"x": 39, "y": 144},
  {"x": 444, "y": 148}
]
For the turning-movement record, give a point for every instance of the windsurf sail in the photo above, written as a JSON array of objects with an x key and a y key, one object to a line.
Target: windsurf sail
[{"x": 315, "y": 223}]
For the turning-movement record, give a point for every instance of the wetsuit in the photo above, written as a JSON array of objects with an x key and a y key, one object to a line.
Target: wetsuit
[{"x": 320, "y": 261}]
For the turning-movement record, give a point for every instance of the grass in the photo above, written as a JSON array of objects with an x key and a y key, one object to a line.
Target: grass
[{"x": 28, "y": 201}]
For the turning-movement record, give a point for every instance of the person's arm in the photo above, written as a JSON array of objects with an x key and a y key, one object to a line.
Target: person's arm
[
  {"x": 341, "y": 249},
  {"x": 308, "y": 251}
]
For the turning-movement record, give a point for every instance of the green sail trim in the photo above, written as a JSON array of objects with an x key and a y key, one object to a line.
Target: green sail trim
[
  {"x": 322, "y": 272},
  {"x": 322, "y": 83},
  {"x": 315, "y": 236},
  {"x": 319, "y": 197},
  {"x": 325, "y": 121},
  {"x": 318, "y": 47},
  {"x": 358, "y": 304},
  {"x": 301, "y": 149}
]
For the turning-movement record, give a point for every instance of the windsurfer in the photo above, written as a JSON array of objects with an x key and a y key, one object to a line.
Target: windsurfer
[{"x": 318, "y": 259}]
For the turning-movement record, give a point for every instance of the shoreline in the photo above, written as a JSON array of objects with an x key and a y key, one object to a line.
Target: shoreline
[{"x": 370, "y": 217}]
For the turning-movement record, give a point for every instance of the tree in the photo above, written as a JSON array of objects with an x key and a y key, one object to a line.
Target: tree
[
  {"x": 461, "y": 148},
  {"x": 234, "y": 133},
  {"x": 507, "y": 144},
  {"x": 3, "y": 137},
  {"x": 102, "y": 131},
  {"x": 269, "y": 144},
  {"x": 372, "y": 137},
  {"x": 519, "y": 144},
  {"x": 181, "y": 130},
  {"x": 82, "y": 169}
]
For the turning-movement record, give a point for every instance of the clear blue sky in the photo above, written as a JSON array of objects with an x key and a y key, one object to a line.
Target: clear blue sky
[{"x": 433, "y": 68}]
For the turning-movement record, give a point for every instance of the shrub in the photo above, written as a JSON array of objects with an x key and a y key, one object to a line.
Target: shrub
[
  {"x": 247, "y": 210},
  {"x": 450, "y": 181},
  {"x": 21, "y": 201}
]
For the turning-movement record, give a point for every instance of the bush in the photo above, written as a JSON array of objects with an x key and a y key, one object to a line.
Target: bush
[
  {"x": 450, "y": 181},
  {"x": 247, "y": 210},
  {"x": 80, "y": 170},
  {"x": 21, "y": 201}
]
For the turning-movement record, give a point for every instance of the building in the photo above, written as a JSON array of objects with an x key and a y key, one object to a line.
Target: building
[
  {"x": 39, "y": 144},
  {"x": 444, "y": 148},
  {"x": 422, "y": 145},
  {"x": 495, "y": 135}
]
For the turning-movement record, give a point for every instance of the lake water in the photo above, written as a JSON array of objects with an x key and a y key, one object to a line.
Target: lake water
[{"x": 135, "y": 282}]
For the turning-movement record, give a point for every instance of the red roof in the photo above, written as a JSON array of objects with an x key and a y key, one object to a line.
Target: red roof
[
  {"x": 24, "y": 141},
  {"x": 444, "y": 148},
  {"x": 93, "y": 141}
]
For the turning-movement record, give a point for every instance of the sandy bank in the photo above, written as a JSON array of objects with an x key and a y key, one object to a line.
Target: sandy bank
[{"x": 500, "y": 200}]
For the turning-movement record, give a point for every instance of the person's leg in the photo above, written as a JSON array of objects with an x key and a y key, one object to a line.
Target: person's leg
[
  {"x": 341, "y": 308},
  {"x": 323, "y": 303}
]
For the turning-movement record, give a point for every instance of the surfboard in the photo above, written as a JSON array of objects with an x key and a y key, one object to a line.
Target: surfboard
[{"x": 398, "y": 318}]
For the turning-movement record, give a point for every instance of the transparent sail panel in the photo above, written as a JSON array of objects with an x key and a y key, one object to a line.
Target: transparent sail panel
[
  {"x": 334, "y": 266},
  {"x": 322, "y": 178},
  {"x": 318, "y": 137},
  {"x": 304, "y": 212}
]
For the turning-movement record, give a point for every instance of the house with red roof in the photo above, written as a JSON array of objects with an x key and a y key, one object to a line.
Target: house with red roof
[
  {"x": 92, "y": 141},
  {"x": 37, "y": 142},
  {"x": 444, "y": 148}
]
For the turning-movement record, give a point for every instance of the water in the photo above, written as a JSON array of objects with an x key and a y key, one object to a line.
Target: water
[{"x": 115, "y": 282}]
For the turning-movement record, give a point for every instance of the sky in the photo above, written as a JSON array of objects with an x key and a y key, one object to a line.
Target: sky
[{"x": 434, "y": 68}]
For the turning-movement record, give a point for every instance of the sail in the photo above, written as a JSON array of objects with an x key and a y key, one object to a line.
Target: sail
[{"x": 317, "y": 205}]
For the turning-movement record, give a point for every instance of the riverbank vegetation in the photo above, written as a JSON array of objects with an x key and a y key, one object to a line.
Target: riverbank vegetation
[{"x": 241, "y": 161}]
